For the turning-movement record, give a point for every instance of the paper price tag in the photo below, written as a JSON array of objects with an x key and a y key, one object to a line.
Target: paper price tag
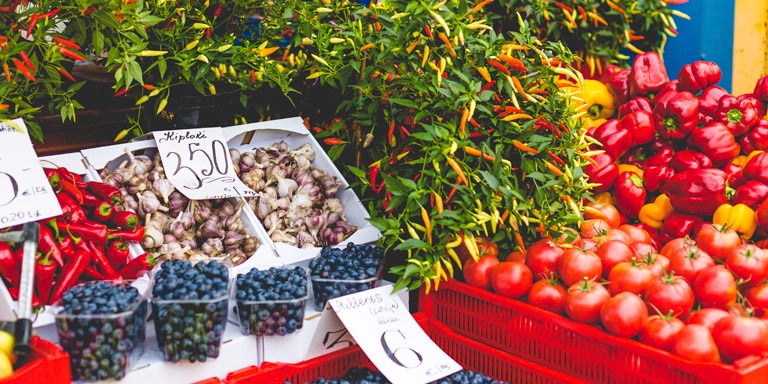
[
  {"x": 391, "y": 338},
  {"x": 198, "y": 164},
  {"x": 330, "y": 335},
  {"x": 25, "y": 193}
]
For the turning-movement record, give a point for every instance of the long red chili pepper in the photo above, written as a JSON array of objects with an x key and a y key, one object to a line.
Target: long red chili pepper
[
  {"x": 70, "y": 208},
  {"x": 117, "y": 252},
  {"x": 71, "y": 272},
  {"x": 99, "y": 258},
  {"x": 106, "y": 192},
  {"x": 498, "y": 66},
  {"x": 14, "y": 291},
  {"x": 93, "y": 273},
  {"x": 66, "y": 74},
  {"x": 137, "y": 266},
  {"x": 90, "y": 200},
  {"x": 10, "y": 268},
  {"x": 121, "y": 92},
  {"x": 27, "y": 61},
  {"x": 71, "y": 54},
  {"x": 45, "y": 269},
  {"x": 125, "y": 219},
  {"x": 23, "y": 69},
  {"x": 71, "y": 189},
  {"x": 32, "y": 23},
  {"x": 88, "y": 230},
  {"x": 102, "y": 212},
  {"x": 136, "y": 234},
  {"x": 48, "y": 246}
]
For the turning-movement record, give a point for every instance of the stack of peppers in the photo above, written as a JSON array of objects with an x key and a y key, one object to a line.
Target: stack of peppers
[
  {"x": 89, "y": 241},
  {"x": 681, "y": 153}
]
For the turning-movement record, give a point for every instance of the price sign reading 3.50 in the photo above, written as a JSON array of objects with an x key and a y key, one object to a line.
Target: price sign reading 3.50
[{"x": 198, "y": 164}]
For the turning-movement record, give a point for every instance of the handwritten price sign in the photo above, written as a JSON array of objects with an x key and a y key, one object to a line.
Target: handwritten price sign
[
  {"x": 25, "y": 193},
  {"x": 390, "y": 337},
  {"x": 198, "y": 164}
]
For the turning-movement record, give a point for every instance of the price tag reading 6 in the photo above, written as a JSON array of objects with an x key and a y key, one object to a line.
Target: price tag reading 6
[
  {"x": 408, "y": 358},
  {"x": 198, "y": 164}
]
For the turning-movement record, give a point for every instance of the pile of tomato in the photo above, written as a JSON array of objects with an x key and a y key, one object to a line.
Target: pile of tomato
[{"x": 671, "y": 252}]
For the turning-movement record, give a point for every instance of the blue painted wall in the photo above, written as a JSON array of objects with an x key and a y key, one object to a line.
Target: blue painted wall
[{"x": 707, "y": 36}]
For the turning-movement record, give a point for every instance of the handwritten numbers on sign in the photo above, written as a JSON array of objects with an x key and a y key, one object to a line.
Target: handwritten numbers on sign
[
  {"x": 334, "y": 339},
  {"x": 197, "y": 162},
  {"x": 393, "y": 353},
  {"x": 25, "y": 193}
]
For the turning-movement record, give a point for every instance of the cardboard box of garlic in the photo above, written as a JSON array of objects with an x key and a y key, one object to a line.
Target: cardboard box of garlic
[
  {"x": 303, "y": 201},
  {"x": 176, "y": 227}
]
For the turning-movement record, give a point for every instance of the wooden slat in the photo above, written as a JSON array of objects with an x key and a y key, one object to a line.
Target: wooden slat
[{"x": 750, "y": 44}]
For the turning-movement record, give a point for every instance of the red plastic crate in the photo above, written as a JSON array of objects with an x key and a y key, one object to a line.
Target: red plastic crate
[
  {"x": 470, "y": 354},
  {"x": 579, "y": 350},
  {"x": 48, "y": 364}
]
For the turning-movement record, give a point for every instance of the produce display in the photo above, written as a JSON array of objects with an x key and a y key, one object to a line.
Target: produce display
[
  {"x": 296, "y": 202},
  {"x": 368, "y": 376},
  {"x": 271, "y": 302},
  {"x": 337, "y": 272},
  {"x": 189, "y": 307},
  {"x": 7, "y": 356},
  {"x": 175, "y": 227},
  {"x": 102, "y": 327}
]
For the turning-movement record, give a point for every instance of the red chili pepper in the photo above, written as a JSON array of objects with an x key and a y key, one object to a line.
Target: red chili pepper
[
  {"x": 137, "y": 266},
  {"x": 106, "y": 192},
  {"x": 98, "y": 257},
  {"x": 23, "y": 69},
  {"x": 45, "y": 269},
  {"x": 32, "y": 23},
  {"x": 14, "y": 291},
  {"x": 71, "y": 54},
  {"x": 253, "y": 76},
  {"x": 121, "y": 92},
  {"x": 67, "y": 247},
  {"x": 70, "y": 273},
  {"x": 498, "y": 66},
  {"x": 48, "y": 246},
  {"x": 87, "y": 230},
  {"x": 71, "y": 189},
  {"x": 10, "y": 269},
  {"x": 51, "y": 13},
  {"x": 102, "y": 212},
  {"x": 333, "y": 141},
  {"x": 66, "y": 74},
  {"x": 487, "y": 86},
  {"x": 117, "y": 252},
  {"x": 70, "y": 208},
  {"x": 27, "y": 61},
  {"x": 92, "y": 273},
  {"x": 124, "y": 219},
  {"x": 90, "y": 200},
  {"x": 428, "y": 31},
  {"x": 53, "y": 177},
  {"x": 135, "y": 234},
  {"x": 66, "y": 42}
]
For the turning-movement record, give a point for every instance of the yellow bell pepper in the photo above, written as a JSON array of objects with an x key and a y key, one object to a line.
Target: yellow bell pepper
[
  {"x": 740, "y": 217},
  {"x": 653, "y": 214},
  {"x": 603, "y": 197},
  {"x": 630, "y": 168},
  {"x": 598, "y": 102}
]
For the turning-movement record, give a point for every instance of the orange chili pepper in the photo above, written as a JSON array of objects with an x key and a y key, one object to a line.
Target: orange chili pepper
[
  {"x": 463, "y": 121},
  {"x": 519, "y": 86},
  {"x": 563, "y": 6},
  {"x": 333, "y": 141},
  {"x": 4, "y": 106},
  {"x": 442, "y": 36},
  {"x": 478, "y": 153},
  {"x": 554, "y": 169},
  {"x": 23, "y": 69},
  {"x": 615, "y": 7},
  {"x": 520, "y": 242},
  {"x": 460, "y": 177},
  {"x": 513, "y": 63},
  {"x": 556, "y": 158},
  {"x": 148, "y": 87},
  {"x": 498, "y": 66},
  {"x": 7, "y": 72},
  {"x": 525, "y": 148},
  {"x": 367, "y": 47},
  {"x": 66, "y": 74}
]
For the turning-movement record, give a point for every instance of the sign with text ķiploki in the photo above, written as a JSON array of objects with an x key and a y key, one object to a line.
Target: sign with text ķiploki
[
  {"x": 391, "y": 338},
  {"x": 198, "y": 164},
  {"x": 25, "y": 193}
]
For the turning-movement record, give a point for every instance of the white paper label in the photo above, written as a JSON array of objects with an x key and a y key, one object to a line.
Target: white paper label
[
  {"x": 330, "y": 335},
  {"x": 25, "y": 193},
  {"x": 391, "y": 338},
  {"x": 198, "y": 164}
]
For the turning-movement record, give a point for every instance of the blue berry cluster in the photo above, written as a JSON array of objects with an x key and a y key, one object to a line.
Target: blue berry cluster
[
  {"x": 189, "y": 303},
  {"x": 102, "y": 327},
  {"x": 341, "y": 271},
  {"x": 271, "y": 302},
  {"x": 367, "y": 376}
]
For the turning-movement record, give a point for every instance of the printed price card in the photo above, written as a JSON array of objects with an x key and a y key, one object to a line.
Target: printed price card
[
  {"x": 391, "y": 338},
  {"x": 25, "y": 193},
  {"x": 198, "y": 164}
]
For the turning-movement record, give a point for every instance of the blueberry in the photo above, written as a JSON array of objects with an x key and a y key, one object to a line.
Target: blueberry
[{"x": 268, "y": 299}]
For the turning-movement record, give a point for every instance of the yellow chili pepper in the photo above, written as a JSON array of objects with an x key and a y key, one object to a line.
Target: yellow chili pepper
[
  {"x": 740, "y": 217},
  {"x": 653, "y": 214}
]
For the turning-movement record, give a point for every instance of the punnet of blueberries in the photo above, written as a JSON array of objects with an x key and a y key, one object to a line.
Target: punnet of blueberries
[
  {"x": 190, "y": 305},
  {"x": 101, "y": 326},
  {"x": 358, "y": 375},
  {"x": 336, "y": 272},
  {"x": 272, "y": 301}
]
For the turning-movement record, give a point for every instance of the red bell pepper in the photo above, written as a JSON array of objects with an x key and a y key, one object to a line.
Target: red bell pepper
[
  {"x": 761, "y": 215},
  {"x": 98, "y": 257},
  {"x": 654, "y": 176},
  {"x": 697, "y": 191},
  {"x": 617, "y": 81},
  {"x": 134, "y": 235},
  {"x": 752, "y": 99},
  {"x": 636, "y": 156},
  {"x": 667, "y": 91},
  {"x": 698, "y": 75},
  {"x": 676, "y": 115},
  {"x": 603, "y": 171},
  {"x": 739, "y": 116},
  {"x": 677, "y": 225},
  {"x": 662, "y": 157},
  {"x": 648, "y": 74},
  {"x": 756, "y": 138},
  {"x": 689, "y": 159},
  {"x": 710, "y": 99},
  {"x": 71, "y": 210},
  {"x": 10, "y": 267},
  {"x": 616, "y": 139},
  {"x": 640, "y": 123},
  {"x": 761, "y": 90},
  {"x": 734, "y": 174},
  {"x": 106, "y": 192},
  {"x": 629, "y": 193},
  {"x": 751, "y": 194},
  {"x": 48, "y": 245},
  {"x": 70, "y": 273},
  {"x": 137, "y": 266},
  {"x": 102, "y": 212},
  {"x": 117, "y": 253},
  {"x": 45, "y": 269},
  {"x": 716, "y": 141},
  {"x": 639, "y": 103},
  {"x": 125, "y": 219},
  {"x": 653, "y": 232},
  {"x": 757, "y": 168}
]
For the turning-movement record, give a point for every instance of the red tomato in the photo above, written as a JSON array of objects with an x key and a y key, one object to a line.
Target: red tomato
[
  {"x": 486, "y": 247},
  {"x": 515, "y": 256},
  {"x": 636, "y": 234},
  {"x": 660, "y": 331},
  {"x": 604, "y": 211},
  {"x": 587, "y": 244},
  {"x": 629, "y": 276},
  {"x": 584, "y": 300},
  {"x": 715, "y": 287},
  {"x": 706, "y": 317},
  {"x": 611, "y": 253},
  {"x": 576, "y": 264},
  {"x": 511, "y": 279},
  {"x": 478, "y": 273},
  {"x": 657, "y": 263},
  {"x": 670, "y": 295},
  {"x": 624, "y": 315},
  {"x": 739, "y": 336},
  {"x": 548, "y": 294},
  {"x": 594, "y": 227},
  {"x": 695, "y": 342},
  {"x": 568, "y": 236},
  {"x": 687, "y": 260},
  {"x": 613, "y": 234},
  {"x": 757, "y": 297},
  {"x": 642, "y": 250},
  {"x": 718, "y": 241},
  {"x": 543, "y": 257},
  {"x": 673, "y": 244},
  {"x": 749, "y": 263}
]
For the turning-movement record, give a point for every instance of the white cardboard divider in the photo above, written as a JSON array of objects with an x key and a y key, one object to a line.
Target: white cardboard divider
[{"x": 292, "y": 130}]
